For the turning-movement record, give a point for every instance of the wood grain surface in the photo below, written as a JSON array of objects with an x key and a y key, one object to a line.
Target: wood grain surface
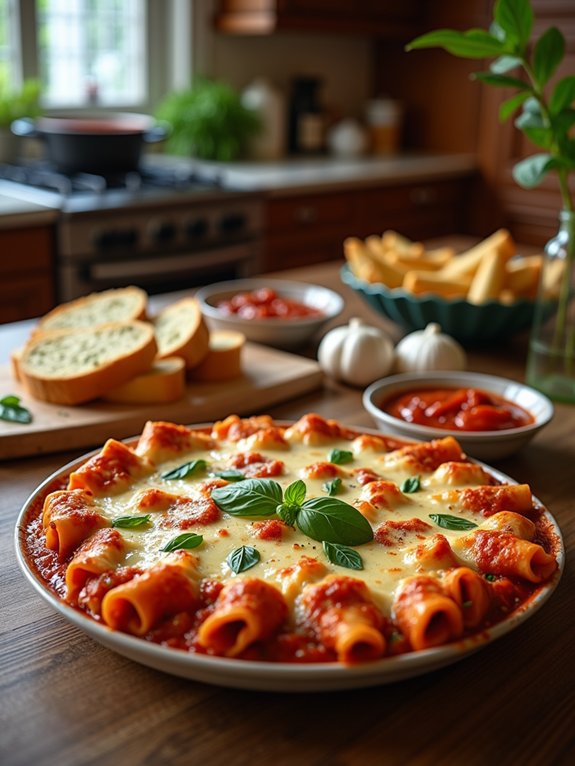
[{"x": 67, "y": 701}]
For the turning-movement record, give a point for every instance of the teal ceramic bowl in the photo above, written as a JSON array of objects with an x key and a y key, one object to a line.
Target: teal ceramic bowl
[{"x": 468, "y": 323}]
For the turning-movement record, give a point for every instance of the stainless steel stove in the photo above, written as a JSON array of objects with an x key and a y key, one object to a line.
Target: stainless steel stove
[{"x": 161, "y": 228}]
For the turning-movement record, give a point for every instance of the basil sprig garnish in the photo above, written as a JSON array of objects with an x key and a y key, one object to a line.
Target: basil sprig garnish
[
  {"x": 451, "y": 522},
  {"x": 242, "y": 558},
  {"x": 185, "y": 470},
  {"x": 333, "y": 486},
  {"x": 12, "y": 411},
  {"x": 131, "y": 522},
  {"x": 340, "y": 456},
  {"x": 321, "y": 518},
  {"x": 342, "y": 555},
  {"x": 185, "y": 541},
  {"x": 411, "y": 484}
]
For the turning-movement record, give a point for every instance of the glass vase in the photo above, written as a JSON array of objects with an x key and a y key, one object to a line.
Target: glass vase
[{"x": 551, "y": 355}]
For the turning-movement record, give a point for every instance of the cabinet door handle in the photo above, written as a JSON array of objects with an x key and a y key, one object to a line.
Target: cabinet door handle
[{"x": 305, "y": 214}]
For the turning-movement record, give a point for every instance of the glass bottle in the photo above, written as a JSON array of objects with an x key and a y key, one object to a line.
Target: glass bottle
[{"x": 551, "y": 355}]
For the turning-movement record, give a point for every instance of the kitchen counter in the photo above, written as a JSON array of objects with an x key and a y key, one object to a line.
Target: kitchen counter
[
  {"x": 66, "y": 700},
  {"x": 320, "y": 174},
  {"x": 18, "y": 213}
]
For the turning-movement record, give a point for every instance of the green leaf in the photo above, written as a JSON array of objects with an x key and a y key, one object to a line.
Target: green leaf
[
  {"x": 340, "y": 456},
  {"x": 548, "y": 54},
  {"x": 242, "y": 558},
  {"x": 532, "y": 170},
  {"x": 131, "y": 522},
  {"x": 185, "y": 470},
  {"x": 508, "y": 107},
  {"x": 515, "y": 18},
  {"x": 563, "y": 95},
  {"x": 342, "y": 555},
  {"x": 252, "y": 497},
  {"x": 446, "y": 521},
  {"x": 295, "y": 493},
  {"x": 411, "y": 484},
  {"x": 332, "y": 487},
  {"x": 541, "y": 137},
  {"x": 501, "y": 80},
  {"x": 332, "y": 520},
  {"x": 288, "y": 513},
  {"x": 185, "y": 541},
  {"x": 231, "y": 475},
  {"x": 474, "y": 44},
  {"x": 12, "y": 411}
]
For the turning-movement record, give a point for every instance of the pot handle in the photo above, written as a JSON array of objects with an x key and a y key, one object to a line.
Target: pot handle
[
  {"x": 25, "y": 126},
  {"x": 158, "y": 133}
]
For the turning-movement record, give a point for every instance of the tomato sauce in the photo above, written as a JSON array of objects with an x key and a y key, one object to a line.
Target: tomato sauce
[
  {"x": 265, "y": 303},
  {"x": 460, "y": 409}
]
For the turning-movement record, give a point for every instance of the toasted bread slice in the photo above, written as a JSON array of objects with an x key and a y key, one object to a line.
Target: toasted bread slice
[
  {"x": 164, "y": 382},
  {"x": 117, "y": 305},
  {"x": 80, "y": 365},
  {"x": 224, "y": 358},
  {"x": 182, "y": 331}
]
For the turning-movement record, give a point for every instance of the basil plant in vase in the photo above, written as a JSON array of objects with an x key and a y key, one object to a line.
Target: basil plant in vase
[{"x": 543, "y": 106}]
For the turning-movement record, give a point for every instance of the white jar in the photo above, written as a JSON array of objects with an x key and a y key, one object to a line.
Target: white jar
[
  {"x": 268, "y": 102},
  {"x": 347, "y": 139}
]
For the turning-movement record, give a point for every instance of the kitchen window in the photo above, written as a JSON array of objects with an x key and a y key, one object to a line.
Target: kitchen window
[{"x": 106, "y": 53}]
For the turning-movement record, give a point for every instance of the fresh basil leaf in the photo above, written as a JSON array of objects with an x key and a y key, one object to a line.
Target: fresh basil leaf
[
  {"x": 231, "y": 475},
  {"x": 288, "y": 513},
  {"x": 490, "y": 577},
  {"x": 332, "y": 487},
  {"x": 411, "y": 484},
  {"x": 342, "y": 555},
  {"x": 332, "y": 520},
  {"x": 294, "y": 494},
  {"x": 501, "y": 81},
  {"x": 511, "y": 105},
  {"x": 451, "y": 522},
  {"x": 12, "y": 411},
  {"x": 252, "y": 497},
  {"x": 185, "y": 541},
  {"x": 243, "y": 558},
  {"x": 515, "y": 18},
  {"x": 131, "y": 522},
  {"x": 563, "y": 94},
  {"x": 548, "y": 54},
  {"x": 340, "y": 456},
  {"x": 185, "y": 470}
]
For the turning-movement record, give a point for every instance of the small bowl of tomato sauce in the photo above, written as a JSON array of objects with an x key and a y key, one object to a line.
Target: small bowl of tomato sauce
[
  {"x": 275, "y": 312},
  {"x": 491, "y": 417}
]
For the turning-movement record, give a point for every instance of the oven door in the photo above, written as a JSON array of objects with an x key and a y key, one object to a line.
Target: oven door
[{"x": 157, "y": 273}]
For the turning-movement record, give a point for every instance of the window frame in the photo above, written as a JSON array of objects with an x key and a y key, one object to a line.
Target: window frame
[{"x": 167, "y": 65}]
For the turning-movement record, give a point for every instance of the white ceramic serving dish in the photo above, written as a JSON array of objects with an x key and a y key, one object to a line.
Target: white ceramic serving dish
[
  {"x": 484, "y": 445},
  {"x": 273, "y": 676},
  {"x": 281, "y": 333}
]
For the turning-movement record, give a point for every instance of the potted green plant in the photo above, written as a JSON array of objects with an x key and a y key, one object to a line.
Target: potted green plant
[
  {"x": 16, "y": 103},
  {"x": 208, "y": 121},
  {"x": 545, "y": 111}
]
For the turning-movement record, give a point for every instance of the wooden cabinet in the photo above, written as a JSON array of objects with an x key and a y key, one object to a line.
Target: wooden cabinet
[
  {"x": 26, "y": 272},
  {"x": 373, "y": 18},
  {"x": 307, "y": 229}
]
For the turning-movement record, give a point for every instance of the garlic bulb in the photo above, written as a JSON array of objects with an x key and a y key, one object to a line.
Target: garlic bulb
[
  {"x": 356, "y": 353},
  {"x": 429, "y": 349}
]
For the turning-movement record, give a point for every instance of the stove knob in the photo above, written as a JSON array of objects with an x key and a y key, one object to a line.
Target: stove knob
[
  {"x": 232, "y": 223},
  {"x": 164, "y": 233},
  {"x": 197, "y": 229}
]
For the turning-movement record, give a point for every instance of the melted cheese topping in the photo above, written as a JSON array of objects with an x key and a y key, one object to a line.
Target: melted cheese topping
[{"x": 405, "y": 544}]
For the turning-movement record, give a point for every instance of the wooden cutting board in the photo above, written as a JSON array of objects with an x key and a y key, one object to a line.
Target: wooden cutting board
[{"x": 270, "y": 376}]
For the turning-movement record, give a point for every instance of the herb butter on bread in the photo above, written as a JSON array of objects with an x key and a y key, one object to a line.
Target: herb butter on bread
[
  {"x": 182, "y": 331},
  {"x": 116, "y": 305},
  {"x": 77, "y": 366}
]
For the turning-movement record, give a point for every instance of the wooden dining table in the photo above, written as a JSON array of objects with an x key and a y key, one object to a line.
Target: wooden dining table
[{"x": 66, "y": 700}]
